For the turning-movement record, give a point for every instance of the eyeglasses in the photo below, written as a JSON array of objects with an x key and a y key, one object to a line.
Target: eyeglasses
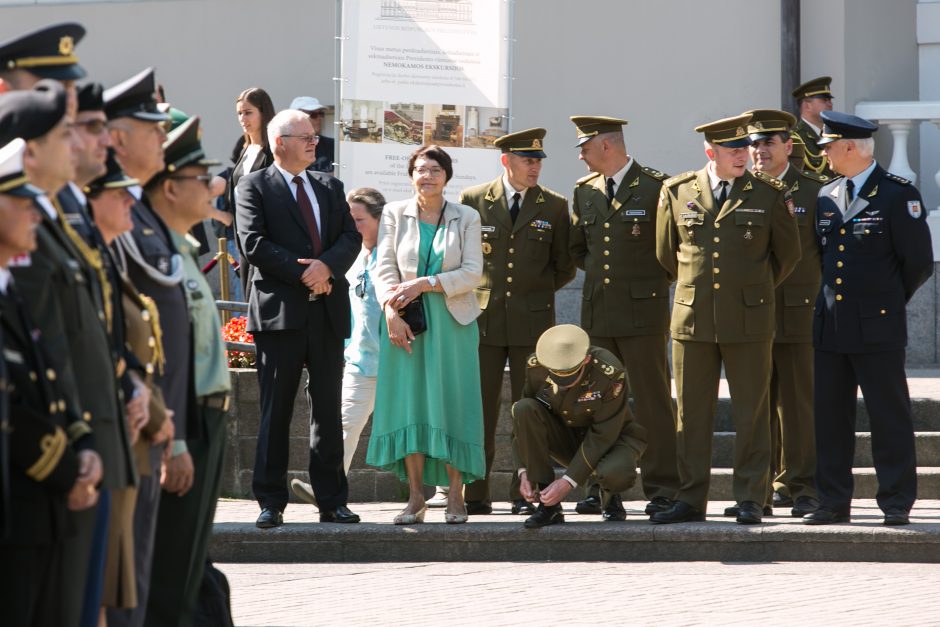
[
  {"x": 422, "y": 171},
  {"x": 203, "y": 178},
  {"x": 361, "y": 285},
  {"x": 92, "y": 127},
  {"x": 308, "y": 139},
  {"x": 316, "y": 114}
]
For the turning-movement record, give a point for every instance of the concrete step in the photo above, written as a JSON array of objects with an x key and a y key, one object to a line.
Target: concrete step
[
  {"x": 501, "y": 537},
  {"x": 927, "y": 445}
]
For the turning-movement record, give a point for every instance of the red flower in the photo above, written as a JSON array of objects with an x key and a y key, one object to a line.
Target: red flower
[{"x": 234, "y": 331}]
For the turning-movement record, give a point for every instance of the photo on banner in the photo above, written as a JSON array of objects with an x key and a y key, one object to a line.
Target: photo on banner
[{"x": 416, "y": 72}]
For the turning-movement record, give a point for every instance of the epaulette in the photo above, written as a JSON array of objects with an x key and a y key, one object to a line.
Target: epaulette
[
  {"x": 819, "y": 178},
  {"x": 679, "y": 178},
  {"x": 897, "y": 179},
  {"x": 777, "y": 184},
  {"x": 656, "y": 174},
  {"x": 586, "y": 178},
  {"x": 608, "y": 369}
]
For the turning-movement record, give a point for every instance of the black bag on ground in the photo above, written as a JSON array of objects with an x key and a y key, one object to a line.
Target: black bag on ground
[{"x": 214, "y": 607}]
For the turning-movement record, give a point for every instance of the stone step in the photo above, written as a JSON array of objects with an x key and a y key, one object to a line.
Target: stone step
[
  {"x": 501, "y": 537},
  {"x": 926, "y": 415},
  {"x": 927, "y": 445}
]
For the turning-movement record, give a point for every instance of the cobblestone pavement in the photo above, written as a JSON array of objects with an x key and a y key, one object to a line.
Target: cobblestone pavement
[{"x": 690, "y": 593}]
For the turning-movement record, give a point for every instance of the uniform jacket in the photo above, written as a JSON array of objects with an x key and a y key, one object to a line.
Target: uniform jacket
[
  {"x": 874, "y": 257},
  {"x": 595, "y": 409},
  {"x": 625, "y": 289},
  {"x": 796, "y": 296},
  {"x": 274, "y": 235},
  {"x": 813, "y": 159},
  {"x": 726, "y": 260},
  {"x": 517, "y": 293},
  {"x": 397, "y": 258}
]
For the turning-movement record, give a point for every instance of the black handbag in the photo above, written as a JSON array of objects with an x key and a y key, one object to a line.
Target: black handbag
[{"x": 413, "y": 312}]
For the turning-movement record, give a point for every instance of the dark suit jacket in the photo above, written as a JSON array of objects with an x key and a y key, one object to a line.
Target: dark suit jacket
[
  {"x": 874, "y": 257},
  {"x": 274, "y": 235},
  {"x": 326, "y": 150}
]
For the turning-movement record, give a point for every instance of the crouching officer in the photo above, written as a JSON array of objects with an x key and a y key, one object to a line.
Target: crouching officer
[{"x": 573, "y": 411}]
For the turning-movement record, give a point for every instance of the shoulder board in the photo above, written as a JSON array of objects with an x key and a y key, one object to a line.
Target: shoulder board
[
  {"x": 897, "y": 179},
  {"x": 819, "y": 178},
  {"x": 656, "y": 174},
  {"x": 533, "y": 361},
  {"x": 601, "y": 360},
  {"x": 589, "y": 177},
  {"x": 679, "y": 178},
  {"x": 777, "y": 184}
]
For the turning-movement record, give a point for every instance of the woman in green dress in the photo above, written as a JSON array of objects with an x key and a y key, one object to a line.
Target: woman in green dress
[{"x": 428, "y": 421}]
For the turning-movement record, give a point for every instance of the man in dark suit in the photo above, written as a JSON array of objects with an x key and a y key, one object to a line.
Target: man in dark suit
[
  {"x": 876, "y": 251},
  {"x": 326, "y": 147},
  {"x": 296, "y": 231}
]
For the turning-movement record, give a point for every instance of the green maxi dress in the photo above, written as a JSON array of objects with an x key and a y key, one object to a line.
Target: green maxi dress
[{"x": 429, "y": 401}]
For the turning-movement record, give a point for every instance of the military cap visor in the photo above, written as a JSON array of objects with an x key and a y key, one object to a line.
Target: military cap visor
[
  {"x": 766, "y": 122},
  {"x": 562, "y": 348},
  {"x": 134, "y": 98},
  {"x": 47, "y": 53},
  {"x": 183, "y": 147},
  {"x": 838, "y": 125},
  {"x": 814, "y": 88},
  {"x": 13, "y": 179},
  {"x": 31, "y": 113},
  {"x": 527, "y": 143},
  {"x": 113, "y": 178},
  {"x": 590, "y": 126},
  {"x": 727, "y": 132}
]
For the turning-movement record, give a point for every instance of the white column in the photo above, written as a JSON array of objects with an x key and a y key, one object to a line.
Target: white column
[{"x": 900, "y": 129}]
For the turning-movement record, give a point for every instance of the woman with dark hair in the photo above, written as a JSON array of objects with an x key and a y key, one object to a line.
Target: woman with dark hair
[
  {"x": 254, "y": 109},
  {"x": 428, "y": 420}
]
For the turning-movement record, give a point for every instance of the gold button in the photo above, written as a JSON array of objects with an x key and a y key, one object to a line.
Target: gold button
[
  {"x": 717, "y": 286},
  {"x": 151, "y": 341},
  {"x": 145, "y": 315},
  {"x": 607, "y": 225},
  {"x": 509, "y": 279},
  {"x": 606, "y": 266},
  {"x": 511, "y": 251},
  {"x": 607, "y": 253},
  {"x": 749, "y": 223},
  {"x": 32, "y": 376},
  {"x": 883, "y": 312},
  {"x": 867, "y": 232},
  {"x": 61, "y": 405},
  {"x": 716, "y": 270},
  {"x": 839, "y": 264},
  {"x": 101, "y": 316},
  {"x": 606, "y": 281},
  {"x": 86, "y": 416},
  {"x": 606, "y": 238},
  {"x": 841, "y": 231},
  {"x": 716, "y": 239},
  {"x": 512, "y": 237},
  {"x": 762, "y": 301},
  {"x": 486, "y": 236},
  {"x": 509, "y": 265},
  {"x": 715, "y": 255},
  {"x": 565, "y": 412},
  {"x": 50, "y": 374},
  {"x": 806, "y": 301},
  {"x": 52, "y": 407},
  {"x": 717, "y": 225},
  {"x": 508, "y": 294},
  {"x": 841, "y": 247},
  {"x": 654, "y": 294},
  {"x": 149, "y": 368},
  {"x": 838, "y": 281},
  {"x": 838, "y": 296}
]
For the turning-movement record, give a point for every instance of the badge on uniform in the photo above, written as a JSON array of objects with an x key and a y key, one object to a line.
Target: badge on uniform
[
  {"x": 788, "y": 201},
  {"x": 617, "y": 388},
  {"x": 487, "y": 248},
  {"x": 163, "y": 265},
  {"x": 914, "y": 208},
  {"x": 147, "y": 231},
  {"x": 636, "y": 230},
  {"x": 825, "y": 222},
  {"x": 487, "y": 229},
  {"x": 589, "y": 396},
  {"x": 21, "y": 261}
]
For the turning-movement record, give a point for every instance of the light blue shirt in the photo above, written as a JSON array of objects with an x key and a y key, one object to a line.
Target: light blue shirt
[
  {"x": 862, "y": 177},
  {"x": 362, "y": 347}
]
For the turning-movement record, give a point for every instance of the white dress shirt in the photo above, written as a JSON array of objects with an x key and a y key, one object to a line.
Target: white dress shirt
[
  {"x": 308, "y": 187},
  {"x": 618, "y": 176}
]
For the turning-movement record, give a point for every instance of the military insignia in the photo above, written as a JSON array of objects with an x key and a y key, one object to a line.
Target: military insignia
[
  {"x": 788, "y": 201},
  {"x": 533, "y": 361},
  {"x": 636, "y": 182},
  {"x": 488, "y": 229},
  {"x": 800, "y": 210},
  {"x": 748, "y": 235},
  {"x": 589, "y": 396},
  {"x": 690, "y": 205},
  {"x": 163, "y": 265},
  {"x": 12, "y": 356},
  {"x": 543, "y": 225},
  {"x": 873, "y": 212},
  {"x": 66, "y": 46},
  {"x": 796, "y": 187},
  {"x": 147, "y": 231},
  {"x": 489, "y": 197},
  {"x": 21, "y": 261},
  {"x": 487, "y": 248},
  {"x": 914, "y": 208},
  {"x": 823, "y": 240},
  {"x": 873, "y": 192},
  {"x": 587, "y": 204},
  {"x": 835, "y": 192},
  {"x": 636, "y": 212},
  {"x": 636, "y": 230},
  {"x": 608, "y": 369},
  {"x": 828, "y": 214},
  {"x": 696, "y": 187},
  {"x": 617, "y": 387},
  {"x": 540, "y": 199},
  {"x": 748, "y": 187},
  {"x": 739, "y": 131},
  {"x": 192, "y": 285},
  {"x": 536, "y": 143}
]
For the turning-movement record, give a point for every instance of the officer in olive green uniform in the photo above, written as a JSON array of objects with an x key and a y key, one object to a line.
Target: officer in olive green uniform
[
  {"x": 793, "y": 462},
  {"x": 813, "y": 97},
  {"x": 625, "y": 306},
  {"x": 526, "y": 260},
  {"x": 574, "y": 411},
  {"x": 728, "y": 237}
]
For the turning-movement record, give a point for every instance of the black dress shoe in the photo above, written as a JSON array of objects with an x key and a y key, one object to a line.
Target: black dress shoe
[
  {"x": 826, "y": 516},
  {"x": 522, "y": 506},
  {"x": 614, "y": 510},
  {"x": 804, "y": 505},
  {"x": 734, "y": 510},
  {"x": 478, "y": 508},
  {"x": 590, "y": 505},
  {"x": 339, "y": 515},
  {"x": 897, "y": 516},
  {"x": 781, "y": 500},
  {"x": 269, "y": 518},
  {"x": 658, "y": 504},
  {"x": 749, "y": 513},
  {"x": 545, "y": 516},
  {"x": 679, "y": 512}
]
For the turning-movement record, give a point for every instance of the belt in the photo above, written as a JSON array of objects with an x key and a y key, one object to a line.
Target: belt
[
  {"x": 215, "y": 401},
  {"x": 311, "y": 297}
]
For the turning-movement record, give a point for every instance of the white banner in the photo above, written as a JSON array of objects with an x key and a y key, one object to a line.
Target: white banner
[{"x": 422, "y": 72}]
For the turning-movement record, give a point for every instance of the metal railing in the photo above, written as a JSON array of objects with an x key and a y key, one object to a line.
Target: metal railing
[{"x": 225, "y": 305}]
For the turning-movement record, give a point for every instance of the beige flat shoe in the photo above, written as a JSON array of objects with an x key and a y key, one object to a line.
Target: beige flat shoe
[
  {"x": 455, "y": 519},
  {"x": 411, "y": 519}
]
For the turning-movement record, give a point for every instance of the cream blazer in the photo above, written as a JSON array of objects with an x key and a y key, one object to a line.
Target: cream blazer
[{"x": 397, "y": 256}]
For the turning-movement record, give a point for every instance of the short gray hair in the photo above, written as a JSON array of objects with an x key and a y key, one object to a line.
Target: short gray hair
[
  {"x": 865, "y": 146},
  {"x": 281, "y": 123},
  {"x": 372, "y": 199}
]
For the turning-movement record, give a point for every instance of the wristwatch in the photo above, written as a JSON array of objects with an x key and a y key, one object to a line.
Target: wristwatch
[{"x": 432, "y": 281}]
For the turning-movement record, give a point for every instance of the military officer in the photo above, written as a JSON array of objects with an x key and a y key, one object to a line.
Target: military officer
[
  {"x": 625, "y": 306},
  {"x": 53, "y": 467},
  {"x": 791, "y": 400},
  {"x": 48, "y": 52},
  {"x": 574, "y": 411},
  {"x": 728, "y": 238},
  {"x": 876, "y": 252},
  {"x": 812, "y": 98},
  {"x": 526, "y": 260}
]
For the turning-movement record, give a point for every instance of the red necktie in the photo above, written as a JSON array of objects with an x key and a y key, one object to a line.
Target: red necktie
[{"x": 306, "y": 209}]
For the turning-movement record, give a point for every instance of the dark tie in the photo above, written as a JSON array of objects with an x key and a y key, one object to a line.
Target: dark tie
[
  {"x": 850, "y": 191},
  {"x": 306, "y": 209},
  {"x": 610, "y": 190},
  {"x": 723, "y": 193},
  {"x": 514, "y": 210}
]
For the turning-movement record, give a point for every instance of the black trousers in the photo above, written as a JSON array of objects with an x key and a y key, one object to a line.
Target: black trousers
[
  {"x": 884, "y": 385},
  {"x": 281, "y": 357},
  {"x": 31, "y": 583}
]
